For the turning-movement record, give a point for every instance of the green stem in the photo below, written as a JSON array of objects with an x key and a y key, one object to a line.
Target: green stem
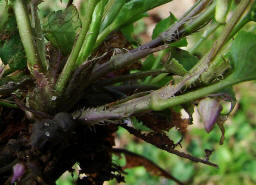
[
  {"x": 92, "y": 33},
  {"x": 206, "y": 34},
  {"x": 204, "y": 17},
  {"x": 70, "y": 64},
  {"x": 158, "y": 104},
  {"x": 26, "y": 35}
]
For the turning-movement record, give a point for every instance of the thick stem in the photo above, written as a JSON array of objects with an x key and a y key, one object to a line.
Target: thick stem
[
  {"x": 70, "y": 64},
  {"x": 26, "y": 35}
]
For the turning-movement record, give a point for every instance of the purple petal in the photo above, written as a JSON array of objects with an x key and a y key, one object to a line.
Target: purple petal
[
  {"x": 18, "y": 172},
  {"x": 209, "y": 110}
]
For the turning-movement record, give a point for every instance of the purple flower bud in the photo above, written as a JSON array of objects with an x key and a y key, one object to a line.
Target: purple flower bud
[
  {"x": 209, "y": 110},
  {"x": 18, "y": 172}
]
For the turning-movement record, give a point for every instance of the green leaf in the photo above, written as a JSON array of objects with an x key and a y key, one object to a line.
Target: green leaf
[
  {"x": 148, "y": 63},
  {"x": 132, "y": 10},
  {"x": 163, "y": 25},
  {"x": 180, "y": 43},
  {"x": 128, "y": 32},
  {"x": 61, "y": 28},
  {"x": 11, "y": 49},
  {"x": 243, "y": 57},
  {"x": 173, "y": 66},
  {"x": 186, "y": 59}
]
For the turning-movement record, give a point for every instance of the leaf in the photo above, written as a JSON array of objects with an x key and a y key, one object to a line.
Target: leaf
[
  {"x": 128, "y": 31},
  {"x": 163, "y": 25},
  {"x": 61, "y": 28},
  {"x": 133, "y": 9},
  {"x": 135, "y": 160},
  {"x": 173, "y": 66},
  {"x": 243, "y": 57},
  {"x": 148, "y": 63},
  {"x": 11, "y": 48},
  {"x": 186, "y": 59},
  {"x": 180, "y": 43}
]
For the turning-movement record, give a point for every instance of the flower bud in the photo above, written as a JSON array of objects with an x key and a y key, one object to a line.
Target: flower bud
[
  {"x": 209, "y": 110},
  {"x": 18, "y": 172}
]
